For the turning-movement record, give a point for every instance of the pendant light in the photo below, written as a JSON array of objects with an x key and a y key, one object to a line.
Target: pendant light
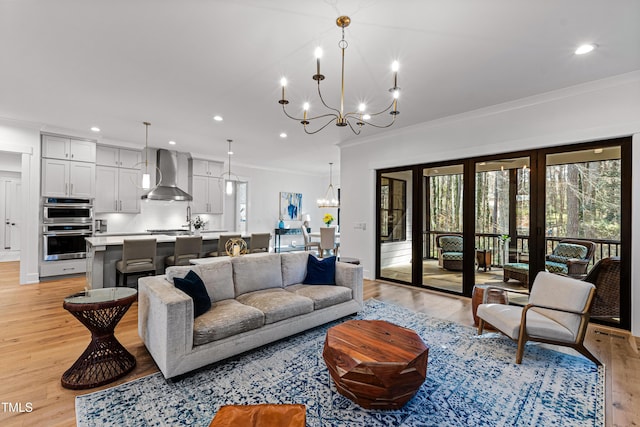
[
  {"x": 330, "y": 200},
  {"x": 146, "y": 178},
  {"x": 227, "y": 176}
]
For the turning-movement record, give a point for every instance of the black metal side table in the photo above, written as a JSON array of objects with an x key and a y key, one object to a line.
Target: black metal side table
[{"x": 105, "y": 359}]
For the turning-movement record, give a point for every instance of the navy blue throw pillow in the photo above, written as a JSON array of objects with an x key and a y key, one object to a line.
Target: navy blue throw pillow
[
  {"x": 193, "y": 286},
  {"x": 320, "y": 271}
]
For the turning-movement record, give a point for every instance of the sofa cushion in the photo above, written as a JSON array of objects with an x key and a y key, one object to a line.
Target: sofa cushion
[
  {"x": 256, "y": 272},
  {"x": 277, "y": 304},
  {"x": 218, "y": 279},
  {"x": 569, "y": 250},
  {"x": 451, "y": 243},
  {"x": 193, "y": 286},
  {"x": 294, "y": 267},
  {"x": 320, "y": 271},
  {"x": 452, "y": 256},
  {"x": 224, "y": 319},
  {"x": 322, "y": 295}
]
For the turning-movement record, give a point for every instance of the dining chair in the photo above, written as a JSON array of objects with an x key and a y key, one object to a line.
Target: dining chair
[
  {"x": 138, "y": 258},
  {"x": 308, "y": 244},
  {"x": 328, "y": 241}
]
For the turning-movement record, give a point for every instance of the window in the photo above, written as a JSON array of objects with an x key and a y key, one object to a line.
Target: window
[{"x": 393, "y": 199}]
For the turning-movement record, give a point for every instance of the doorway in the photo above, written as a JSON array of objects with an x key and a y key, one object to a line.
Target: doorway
[
  {"x": 235, "y": 206},
  {"x": 10, "y": 208}
]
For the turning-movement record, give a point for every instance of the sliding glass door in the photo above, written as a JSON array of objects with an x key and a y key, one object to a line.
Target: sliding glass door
[
  {"x": 395, "y": 243},
  {"x": 443, "y": 241},
  {"x": 584, "y": 213},
  {"x": 501, "y": 219}
]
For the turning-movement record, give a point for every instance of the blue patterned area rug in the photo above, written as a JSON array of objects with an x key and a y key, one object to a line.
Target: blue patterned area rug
[{"x": 471, "y": 381}]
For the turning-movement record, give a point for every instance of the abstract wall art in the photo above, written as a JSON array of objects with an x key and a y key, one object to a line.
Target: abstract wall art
[{"x": 290, "y": 206}]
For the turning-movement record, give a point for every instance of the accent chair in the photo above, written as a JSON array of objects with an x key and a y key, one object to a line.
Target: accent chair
[{"x": 557, "y": 313}]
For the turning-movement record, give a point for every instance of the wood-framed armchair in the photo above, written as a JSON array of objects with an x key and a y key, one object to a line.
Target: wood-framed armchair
[{"x": 557, "y": 313}]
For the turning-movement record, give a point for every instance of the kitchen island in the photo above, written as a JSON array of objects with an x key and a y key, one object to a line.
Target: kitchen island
[{"x": 103, "y": 252}]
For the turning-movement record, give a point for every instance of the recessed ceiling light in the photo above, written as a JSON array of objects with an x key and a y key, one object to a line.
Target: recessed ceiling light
[
  {"x": 172, "y": 143},
  {"x": 217, "y": 118},
  {"x": 95, "y": 129},
  {"x": 283, "y": 135},
  {"x": 585, "y": 48}
]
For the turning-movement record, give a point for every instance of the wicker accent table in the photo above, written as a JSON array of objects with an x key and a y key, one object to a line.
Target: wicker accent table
[
  {"x": 376, "y": 364},
  {"x": 105, "y": 359}
]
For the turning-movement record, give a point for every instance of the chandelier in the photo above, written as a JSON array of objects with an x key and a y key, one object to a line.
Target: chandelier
[
  {"x": 342, "y": 119},
  {"x": 330, "y": 200}
]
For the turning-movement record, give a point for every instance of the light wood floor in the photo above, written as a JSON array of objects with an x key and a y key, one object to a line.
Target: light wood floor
[{"x": 39, "y": 340}]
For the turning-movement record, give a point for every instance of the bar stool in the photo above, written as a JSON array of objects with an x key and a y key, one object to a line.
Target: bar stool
[
  {"x": 222, "y": 241},
  {"x": 259, "y": 242},
  {"x": 138, "y": 257},
  {"x": 187, "y": 248}
]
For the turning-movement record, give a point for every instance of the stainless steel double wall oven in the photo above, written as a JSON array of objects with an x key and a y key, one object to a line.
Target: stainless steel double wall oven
[{"x": 65, "y": 224}]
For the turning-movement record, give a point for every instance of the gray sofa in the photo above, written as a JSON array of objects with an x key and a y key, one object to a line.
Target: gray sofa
[{"x": 256, "y": 299}]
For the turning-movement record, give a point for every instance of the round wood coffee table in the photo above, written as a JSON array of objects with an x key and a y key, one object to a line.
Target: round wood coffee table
[
  {"x": 375, "y": 363},
  {"x": 105, "y": 359}
]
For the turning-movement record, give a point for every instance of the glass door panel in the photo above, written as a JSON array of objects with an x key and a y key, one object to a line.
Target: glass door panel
[
  {"x": 584, "y": 207},
  {"x": 395, "y": 242},
  {"x": 442, "y": 254},
  {"x": 502, "y": 212}
]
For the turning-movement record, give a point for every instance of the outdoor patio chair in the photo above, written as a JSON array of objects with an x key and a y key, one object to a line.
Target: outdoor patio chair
[
  {"x": 450, "y": 247},
  {"x": 571, "y": 257},
  {"x": 557, "y": 313},
  {"x": 605, "y": 275}
]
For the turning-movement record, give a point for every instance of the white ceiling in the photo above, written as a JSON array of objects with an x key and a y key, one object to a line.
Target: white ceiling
[{"x": 73, "y": 64}]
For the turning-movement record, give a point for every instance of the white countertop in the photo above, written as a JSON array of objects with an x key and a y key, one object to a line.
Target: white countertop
[{"x": 114, "y": 240}]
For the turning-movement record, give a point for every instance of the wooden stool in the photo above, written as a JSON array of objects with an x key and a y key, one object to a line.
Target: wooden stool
[{"x": 496, "y": 296}]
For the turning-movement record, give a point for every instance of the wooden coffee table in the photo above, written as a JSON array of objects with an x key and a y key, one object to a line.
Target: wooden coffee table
[{"x": 375, "y": 363}]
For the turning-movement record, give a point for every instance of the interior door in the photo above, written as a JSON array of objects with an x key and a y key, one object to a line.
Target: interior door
[{"x": 14, "y": 213}]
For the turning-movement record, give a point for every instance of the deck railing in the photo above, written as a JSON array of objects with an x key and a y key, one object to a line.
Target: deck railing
[{"x": 520, "y": 253}]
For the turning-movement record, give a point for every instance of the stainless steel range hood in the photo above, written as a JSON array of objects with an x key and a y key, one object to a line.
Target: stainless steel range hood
[{"x": 167, "y": 162}]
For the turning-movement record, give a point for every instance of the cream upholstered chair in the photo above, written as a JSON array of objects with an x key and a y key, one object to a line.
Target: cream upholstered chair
[
  {"x": 186, "y": 248},
  {"x": 557, "y": 313},
  {"x": 328, "y": 240},
  {"x": 222, "y": 241},
  {"x": 308, "y": 244},
  {"x": 138, "y": 257},
  {"x": 259, "y": 242}
]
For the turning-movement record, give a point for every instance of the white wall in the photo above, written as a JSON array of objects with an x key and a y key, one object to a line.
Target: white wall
[{"x": 598, "y": 110}]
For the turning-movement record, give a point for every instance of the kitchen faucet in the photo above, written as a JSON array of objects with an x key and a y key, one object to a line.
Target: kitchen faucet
[{"x": 189, "y": 218}]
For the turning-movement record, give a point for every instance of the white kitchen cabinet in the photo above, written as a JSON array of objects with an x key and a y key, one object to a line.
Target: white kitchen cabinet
[
  {"x": 64, "y": 178},
  {"x": 117, "y": 190},
  {"x": 207, "y": 195},
  {"x": 118, "y": 157},
  {"x": 60, "y": 147},
  {"x": 210, "y": 168}
]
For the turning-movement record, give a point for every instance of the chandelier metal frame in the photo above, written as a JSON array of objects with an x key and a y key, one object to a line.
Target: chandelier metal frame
[
  {"x": 341, "y": 118},
  {"x": 330, "y": 200}
]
